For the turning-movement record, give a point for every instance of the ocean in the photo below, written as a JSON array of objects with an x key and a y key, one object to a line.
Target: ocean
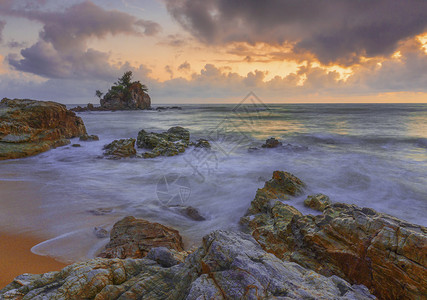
[{"x": 371, "y": 155}]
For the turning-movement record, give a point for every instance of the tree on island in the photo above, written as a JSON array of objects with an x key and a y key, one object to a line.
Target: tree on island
[
  {"x": 122, "y": 87},
  {"x": 125, "y": 94}
]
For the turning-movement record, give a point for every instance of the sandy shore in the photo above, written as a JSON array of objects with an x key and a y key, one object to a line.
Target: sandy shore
[{"x": 16, "y": 258}]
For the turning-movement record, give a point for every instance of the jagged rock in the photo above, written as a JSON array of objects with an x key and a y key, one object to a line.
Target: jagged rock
[
  {"x": 100, "y": 232},
  {"x": 202, "y": 143},
  {"x": 271, "y": 143},
  {"x": 120, "y": 148},
  {"x": 131, "y": 237},
  {"x": 169, "y": 143},
  {"x": 29, "y": 127},
  {"x": 363, "y": 246},
  {"x": 190, "y": 212},
  {"x": 101, "y": 211},
  {"x": 89, "y": 138},
  {"x": 228, "y": 265},
  {"x": 318, "y": 202},
  {"x": 89, "y": 107},
  {"x": 163, "y": 256},
  {"x": 282, "y": 185},
  {"x": 134, "y": 98}
]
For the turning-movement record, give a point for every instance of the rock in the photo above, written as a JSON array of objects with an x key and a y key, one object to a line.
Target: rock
[
  {"x": 202, "y": 143},
  {"x": 76, "y": 145},
  {"x": 169, "y": 143},
  {"x": 134, "y": 98},
  {"x": 29, "y": 127},
  {"x": 233, "y": 266},
  {"x": 318, "y": 202},
  {"x": 271, "y": 143},
  {"x": 191, "y": 212},
  {"x": 134, "y": 238},
  {"x": 163, "y": 256},
  {"x": 281, "y": 185},
  {"x": 89, "y": 138},
  {"x": 120, "y": 148},
  {"x": 104, "y": 279},
  {"x": 101, "y": 211},
  {"x": 363, "y": 246},
  {"x": 89, "y": 107},
  {"x": 100, "y": 232},
  {"x": 228, "y": 265},
  {"x": 253, "y": 149},
  {"x": 161, "y": 108}
]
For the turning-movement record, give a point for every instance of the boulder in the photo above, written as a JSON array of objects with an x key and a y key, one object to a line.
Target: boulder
[
  {"x": 363, "y": 246},
  {"x": 228, "y": 265},
  {"x": 317, "y": 202},
  {"x": 169, "y": 143},
  {"x": 29, "y": 127},
  {"x": 133, "y": 98},
  {"x": 271, "y": 143},
  {"x": 134, "y": 238},
  {"x": 88, "y": 138},
  {"x": 202, "y": 143},
  {"x": 120, "y": 148}
]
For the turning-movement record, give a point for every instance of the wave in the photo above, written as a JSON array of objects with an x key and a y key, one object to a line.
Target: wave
[{"x": 337, "y": 139}]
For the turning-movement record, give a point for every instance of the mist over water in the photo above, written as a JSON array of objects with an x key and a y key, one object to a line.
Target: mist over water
[{"x": 372, "y": 155}]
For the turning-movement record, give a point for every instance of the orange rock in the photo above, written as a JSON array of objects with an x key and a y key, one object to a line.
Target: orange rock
[
  {"x": 29, "y": 127},
  {"x": 133, "y": 238},
  {"x": 363, "y": 246}
]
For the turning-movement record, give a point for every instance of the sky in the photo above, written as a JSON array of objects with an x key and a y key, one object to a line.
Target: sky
[{"x": 216, "y": 51}]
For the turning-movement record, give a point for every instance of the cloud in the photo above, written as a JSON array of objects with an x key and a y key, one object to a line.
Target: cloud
[
  {"x": 15, "y": 44},
  {"x": 169, "y": 70},
  {"x": 62, "y": 52},
  {"x": 175, "y": 40},
  {"x": 185, "y": 66},
  {"x": 2, "y": 25},
  {"x": 335, "y": 30}
]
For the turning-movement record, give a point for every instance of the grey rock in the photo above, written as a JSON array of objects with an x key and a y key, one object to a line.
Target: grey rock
[{"x": 228, "y": 265}]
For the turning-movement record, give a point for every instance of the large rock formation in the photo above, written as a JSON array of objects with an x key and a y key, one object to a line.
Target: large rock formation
[
  {"x": 363, "y": 246},
  {"x": 134, "y": 238},
  {"x": 228, "y": 265},
  {"x": 134, "y": 97},
  {"x": 29, "y": 127}
]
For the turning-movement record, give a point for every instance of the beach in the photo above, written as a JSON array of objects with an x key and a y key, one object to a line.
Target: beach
[{"x": 16, "y": 258}]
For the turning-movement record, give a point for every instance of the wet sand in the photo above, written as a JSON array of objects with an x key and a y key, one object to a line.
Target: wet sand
[{"x": 16, "y": 258}]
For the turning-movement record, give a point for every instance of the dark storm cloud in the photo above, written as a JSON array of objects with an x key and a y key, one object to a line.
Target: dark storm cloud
[
  {"x": 61, "y": 51},
  {"x": 334, "y": 30}
]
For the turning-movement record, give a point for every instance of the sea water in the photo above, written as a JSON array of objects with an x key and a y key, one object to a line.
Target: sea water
[{"x": 371, "y": 155}]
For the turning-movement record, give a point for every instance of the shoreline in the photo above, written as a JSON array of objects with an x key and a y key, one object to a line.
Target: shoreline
[{"x": 16, "y": 258}]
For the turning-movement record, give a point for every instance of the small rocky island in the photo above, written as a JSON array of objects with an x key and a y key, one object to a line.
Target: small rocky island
[{"x": 124, "y": 94}]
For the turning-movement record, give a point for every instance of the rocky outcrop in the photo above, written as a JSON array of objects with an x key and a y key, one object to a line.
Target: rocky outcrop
[
  {"x": 29, "y": 127},
  {"x": 169, "y": 143},
  {"x": 134, "y": 238},
  {"x": 120, "y": 148},
  {"x": 133, "y": 97},
  {"x": 363, "y": 246},
  {"x": 228, "y": 265},
  {"x": 271, "y": 143},
  {"x": 317, "y": 202}
]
